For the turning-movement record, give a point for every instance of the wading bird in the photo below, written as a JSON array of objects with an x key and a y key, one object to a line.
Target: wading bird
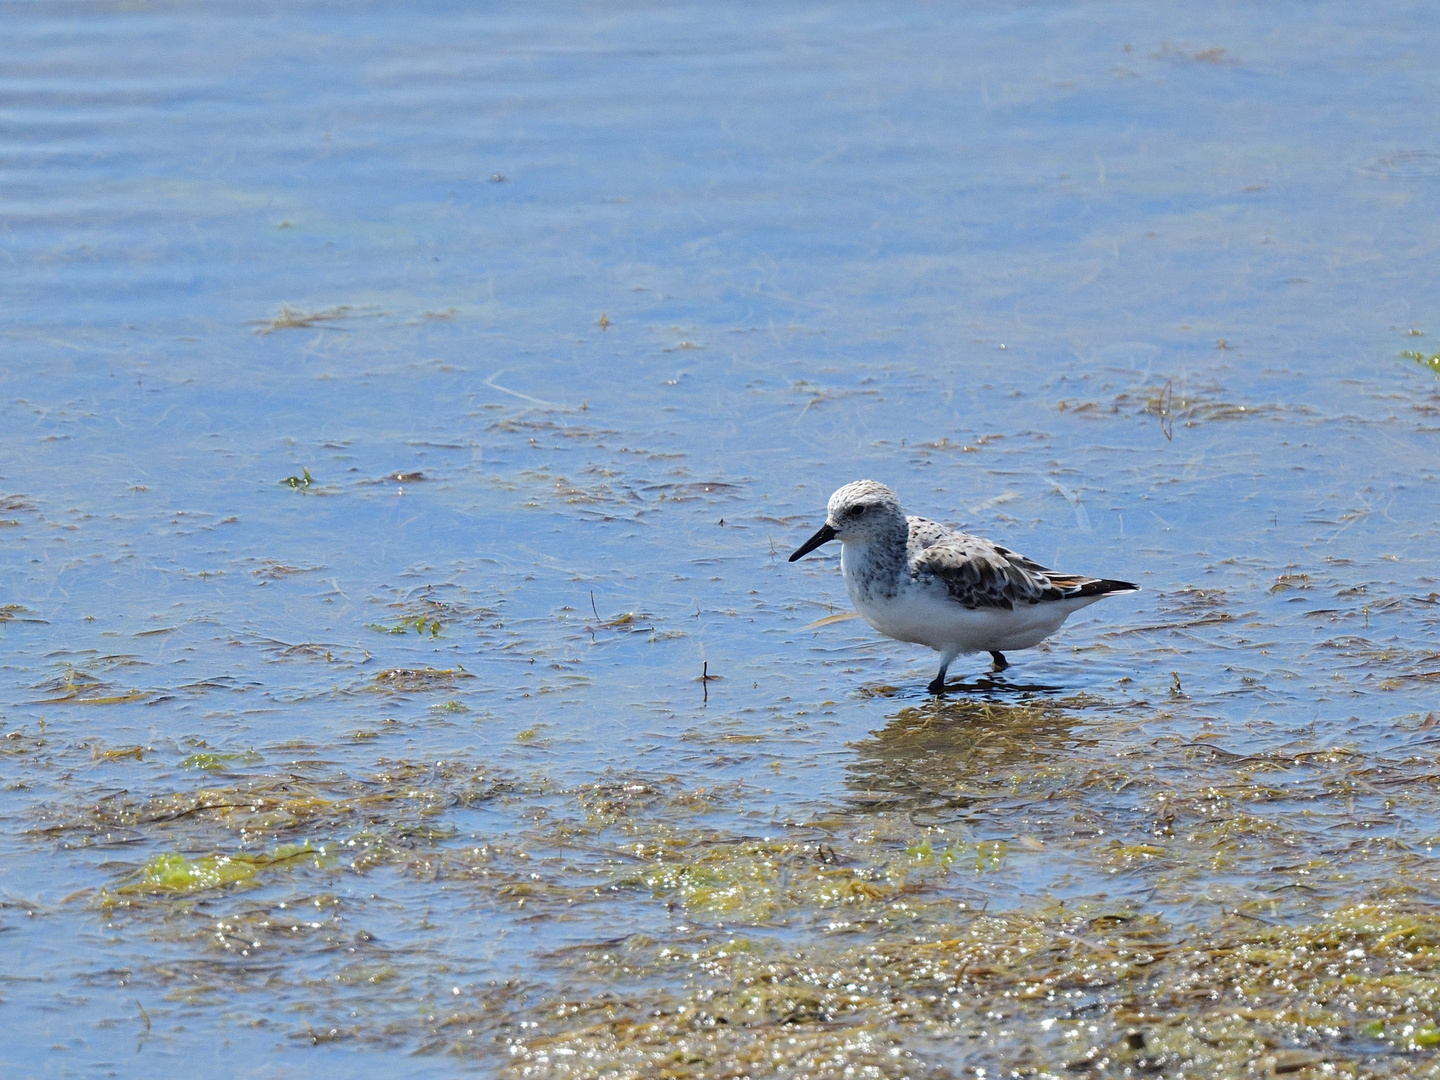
[{"x": 917, "y": 580}]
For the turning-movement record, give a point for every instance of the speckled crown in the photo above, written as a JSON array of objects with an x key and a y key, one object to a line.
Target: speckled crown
[{"x": 868, "y": 492}]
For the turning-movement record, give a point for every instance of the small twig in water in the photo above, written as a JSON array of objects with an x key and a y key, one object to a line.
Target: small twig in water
[{"x": 706, "y": 678}]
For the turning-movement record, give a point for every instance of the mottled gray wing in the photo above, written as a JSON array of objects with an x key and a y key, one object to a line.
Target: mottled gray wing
[
  {"x": 924, "y": 533},
  {"x": 979, "y": 574}
]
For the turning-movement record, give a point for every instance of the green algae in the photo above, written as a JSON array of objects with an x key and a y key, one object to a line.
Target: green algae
[
  {"x": 1047, "y": 992},
  {"x": 302, "y": 482},
  {"x": 414, "y": 680},
  {"x": 917, "y": 922},
  {"x": 77, "y": 687},
  {"x": 1432, "y": 361},
  {"x": 210, "y": 762},
  {"x": 420, "y": 626},
  {"x": 177, "y": 874}
]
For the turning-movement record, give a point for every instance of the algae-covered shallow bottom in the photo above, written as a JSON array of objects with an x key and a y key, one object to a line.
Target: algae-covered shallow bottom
[{"x": 940, "y": 917}]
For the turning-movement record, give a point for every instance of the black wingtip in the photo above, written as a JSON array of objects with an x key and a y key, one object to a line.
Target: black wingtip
[
  {"x": 1108, "y": 586},
  {"x": 1104, "y": 587}
]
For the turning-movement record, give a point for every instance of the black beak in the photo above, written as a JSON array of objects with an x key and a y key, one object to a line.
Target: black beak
[{"x": 824, "y": 536}]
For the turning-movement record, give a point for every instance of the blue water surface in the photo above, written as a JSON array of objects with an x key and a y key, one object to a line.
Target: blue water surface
[{"x": 540, "y": 307}]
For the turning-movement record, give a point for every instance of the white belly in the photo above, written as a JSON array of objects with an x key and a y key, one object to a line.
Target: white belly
[{"x": 929, "y": 618}]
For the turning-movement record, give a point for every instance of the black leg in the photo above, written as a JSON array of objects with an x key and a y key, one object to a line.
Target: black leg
[
  {"x": 937, "y": 684},
  {"x": 999, "y": 657}
]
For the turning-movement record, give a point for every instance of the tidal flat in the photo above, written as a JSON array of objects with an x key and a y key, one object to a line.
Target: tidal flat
[{"x": 405, "y": 420}]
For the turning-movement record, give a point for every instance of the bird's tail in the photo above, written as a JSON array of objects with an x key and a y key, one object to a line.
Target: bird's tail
[{"x": 1078, "y": 586}]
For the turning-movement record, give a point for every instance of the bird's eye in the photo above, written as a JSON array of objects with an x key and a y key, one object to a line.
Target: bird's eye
[{"x": 857, "y": 511}]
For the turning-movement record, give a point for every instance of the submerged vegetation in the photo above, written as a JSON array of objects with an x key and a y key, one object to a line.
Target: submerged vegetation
[
  {"x": 421, "y": 626},
  {"x": 1432, "y": 361},
  {"x": 919, "y": 925},
  {"x": 292, "y": 318},
  {"x": 178, "y": 874},
  {"x": 1044, "y": 993}
]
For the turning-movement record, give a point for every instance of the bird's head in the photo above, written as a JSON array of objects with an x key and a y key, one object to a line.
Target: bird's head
[{"x": 858, "y": 513}]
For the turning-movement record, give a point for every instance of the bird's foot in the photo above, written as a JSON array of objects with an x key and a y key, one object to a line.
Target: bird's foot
[
  {"x": 1000, "y": 662},
  {"x": 937, "y": 685}
]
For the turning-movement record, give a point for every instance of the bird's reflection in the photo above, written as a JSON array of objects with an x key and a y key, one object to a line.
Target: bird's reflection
[{"x": 952, "y": 757}]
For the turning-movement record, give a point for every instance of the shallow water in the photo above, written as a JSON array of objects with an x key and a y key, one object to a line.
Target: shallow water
[{"x": 562, "y": 325}]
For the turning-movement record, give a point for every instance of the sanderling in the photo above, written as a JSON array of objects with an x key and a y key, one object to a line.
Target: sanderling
[{"x": 917, "y": 580}]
